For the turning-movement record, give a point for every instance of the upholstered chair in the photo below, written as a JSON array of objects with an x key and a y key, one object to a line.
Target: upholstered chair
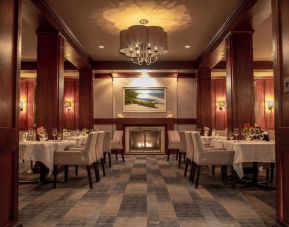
[
  {"x": 99, "y": 150},
  {"x": 106, "y": 148},
  {"x": 182, "y": 148},
  {"x": 189, "y": 153},
  {"x": 116, "y": 144},
  {"x": 78, "y": 157},
  {"x": 174, "y": 143},
  {"x": 204, "y": 157}
]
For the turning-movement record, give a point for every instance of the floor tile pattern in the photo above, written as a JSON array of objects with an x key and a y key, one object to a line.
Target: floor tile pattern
[{"x": 144, "y": 191}]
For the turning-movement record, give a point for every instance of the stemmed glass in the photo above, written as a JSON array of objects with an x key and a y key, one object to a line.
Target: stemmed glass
[
  {"x": 231, "y": 136},
  {"x": 261, "y": 136},
  {"x": 30, "y": 134},
  {"x": 59, "y": 136},
  {"x": 45, "y": 136},
  {"x": 54, "y": 133},
  {"x": 236, "y": 133},
  {"x": 252, "y": 133},
  {"x": 257, "y": 132}
]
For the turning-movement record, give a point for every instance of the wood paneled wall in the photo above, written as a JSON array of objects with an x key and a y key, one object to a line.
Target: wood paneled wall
[
  {"x": 71, "y": 93},
  {"x": 264, "y": 91},
  {"x": 27, "y": 94}
]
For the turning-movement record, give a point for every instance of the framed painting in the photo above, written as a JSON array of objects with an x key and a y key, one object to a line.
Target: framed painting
[{"x": 144, "y": 99}]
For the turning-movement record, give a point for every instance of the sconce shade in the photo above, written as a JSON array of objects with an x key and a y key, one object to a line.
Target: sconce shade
[{"x": 221, "y": 104}]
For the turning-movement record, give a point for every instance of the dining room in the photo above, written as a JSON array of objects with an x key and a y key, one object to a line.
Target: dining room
[{"x": 144, "y": 113}]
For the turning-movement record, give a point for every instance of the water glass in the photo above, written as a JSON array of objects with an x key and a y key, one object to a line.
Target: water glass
[
  {"x": 54, "y": 133},
  {"x": 236, "y": 133},
  {"x": 59, "y": 136},
  {"x": 231, "y": 136},
  {"x": 261, "y": 136}
]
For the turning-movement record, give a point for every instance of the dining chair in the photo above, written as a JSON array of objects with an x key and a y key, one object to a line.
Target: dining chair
[
  {"x": 116, "y": 144},
  {"x": 173, "y": 143},
  {"x": 205, "y": 157},
  {"x": 182, "y": 148},
  {"x": 78, "y": 157},
  {"x": 99, "y": 150},
  {"x": 189, "y": 153},
  {"x": 106, "y": 148}
]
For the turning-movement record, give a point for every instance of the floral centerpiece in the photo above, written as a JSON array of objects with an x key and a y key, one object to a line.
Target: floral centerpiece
[
  {"x": 247, "y": 130},
  {"x": 41, "y": 132},
  {"x": 206, "y": 131},
  {"x": 85, "y": 131}
]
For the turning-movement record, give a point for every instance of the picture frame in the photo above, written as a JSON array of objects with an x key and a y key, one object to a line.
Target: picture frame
[{"x": 151, "y": 99}]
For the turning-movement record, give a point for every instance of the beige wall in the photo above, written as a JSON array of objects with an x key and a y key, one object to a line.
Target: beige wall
[{"x": 181, "y": 98}]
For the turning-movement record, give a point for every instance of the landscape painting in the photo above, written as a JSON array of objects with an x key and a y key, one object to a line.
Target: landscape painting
[{"x": 144, "y": 100}]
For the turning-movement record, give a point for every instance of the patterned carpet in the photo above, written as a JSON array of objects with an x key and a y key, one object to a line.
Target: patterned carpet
[{"x": 144, "y": 191}]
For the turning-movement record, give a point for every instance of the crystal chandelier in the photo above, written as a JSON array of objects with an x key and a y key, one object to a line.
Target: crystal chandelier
[{"x": 143, "y": 44}]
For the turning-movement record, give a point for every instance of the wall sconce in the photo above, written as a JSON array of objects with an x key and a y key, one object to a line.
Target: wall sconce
[
  {"x": 68, "y": 105},
  {"x": 221, "y": 104},
  {"x": 270, "y": 104},
  {"x": 21, "y": 105}
]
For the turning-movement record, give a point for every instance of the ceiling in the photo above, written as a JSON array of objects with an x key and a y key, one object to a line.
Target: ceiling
[{"x": 96, "y": 22}]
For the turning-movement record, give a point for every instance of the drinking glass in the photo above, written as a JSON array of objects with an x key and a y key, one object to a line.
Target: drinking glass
[
  {"x": 257, "y": 132},
  {"x": 243, "y": 133},
  {"x": 54, "y": 133},
  {"x": 261, "y": 136},
  {"x": 236, "y": 133},
  {"x": 45, "y": 136},
  {"x": 252, "y": 133},
  {"x": 30, "y": 134},
  {"x": 23, "y": 137},
  {"x": 59, "y": 136},
  {"x": 231, "y": 136}
]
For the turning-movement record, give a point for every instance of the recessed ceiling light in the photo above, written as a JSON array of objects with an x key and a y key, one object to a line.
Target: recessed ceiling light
[
  {"x": 188, "y": 46},
  {"x": 100, "y": 47}
]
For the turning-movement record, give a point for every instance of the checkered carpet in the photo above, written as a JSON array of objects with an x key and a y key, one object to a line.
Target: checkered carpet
[{"x": 144, "y": 191}]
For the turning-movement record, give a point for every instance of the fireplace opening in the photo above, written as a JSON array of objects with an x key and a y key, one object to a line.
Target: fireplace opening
[{"x": 145, "y": 140}]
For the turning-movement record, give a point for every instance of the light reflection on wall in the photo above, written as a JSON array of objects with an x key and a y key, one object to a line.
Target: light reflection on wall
[{"x": 170, "y": 15}]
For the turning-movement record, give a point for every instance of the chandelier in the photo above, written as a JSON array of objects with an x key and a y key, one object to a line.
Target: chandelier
[{"x": 143, "y": 44}]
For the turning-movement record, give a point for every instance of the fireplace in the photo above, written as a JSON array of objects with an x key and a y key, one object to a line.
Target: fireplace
[{"x": 144, "y": 139}]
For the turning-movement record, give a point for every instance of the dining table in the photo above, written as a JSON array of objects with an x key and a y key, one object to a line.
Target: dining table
[
  {"x": 43, "y": 151},
  {"x": 255, "y": 151},
  {"x": 80, "y": 140}
]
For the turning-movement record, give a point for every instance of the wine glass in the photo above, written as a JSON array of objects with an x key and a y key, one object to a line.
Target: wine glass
[
  {"x": 231, "y": 135},
  {"x": 261, "y": 136},
  {"x": 54, "y": 133},
  {"x": 45, "y": 136},
  {"x": 59, "y": 136},
  {"x": 252, "y": 132},
  {"x": 236, "y": 133},
  {"x": 30, "y": 134},
  {"x": 257, "y": 132}
]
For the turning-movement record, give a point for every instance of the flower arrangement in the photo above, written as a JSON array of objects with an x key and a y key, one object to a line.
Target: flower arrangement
[
  {"x": 41, "y": 131},
  {"x": 247, "y": 130},
  {"x": 206, "y": 131}
]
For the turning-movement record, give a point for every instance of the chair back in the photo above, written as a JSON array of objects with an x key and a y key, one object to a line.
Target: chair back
[
  {"x": 183, "y": 145},
  {"x": 89, "y": 148},
  {"x": 174, "y": 139},
  {"x": 106, "y": 142},
  {"x": 189, "y": 145},
  {"x": 23, "y": 136},
  {"x": 117, "y": 136},
  {"x": 199, "y": 151},
  {"x": 99, "y": 145}
]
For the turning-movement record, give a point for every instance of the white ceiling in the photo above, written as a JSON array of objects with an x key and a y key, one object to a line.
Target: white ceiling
[{"x": 188, "y": 22}]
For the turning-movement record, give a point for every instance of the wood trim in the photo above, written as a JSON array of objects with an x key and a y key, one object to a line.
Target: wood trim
[
  {"x": 180, "y": 121},
  {"x": 159, "y": 65},
  {"x": 231, "y": 22},
  {"x": 32, "y": 65},
  {"x": 258, "y": 65},
  {"x": 57, "y": 22}
]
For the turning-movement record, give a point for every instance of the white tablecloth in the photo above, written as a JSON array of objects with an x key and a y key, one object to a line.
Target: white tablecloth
[
  {"x": 42, "y": 151},
  {"x": 248, "y": 151},
  {"x": 80, "y": 140},
  {"x": 207, "y": 139}
]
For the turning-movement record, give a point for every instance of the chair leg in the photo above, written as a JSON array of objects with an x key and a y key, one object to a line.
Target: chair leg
[
  {"x": 54, "y": 176},
  {"x": 122, "y": 155},
  {"x": 65, "y": 173},
  {"x": 233, "y": 173},
  {"x": 225, "y": 174},
  {"x": 192, "y": 173},
  {"x": 89, "y": 176},
  {"x": 186, "y": 167},
  {"x": 102, "y": 166},
  {"x": 76, "y": 170},
  {"x": 198, "y": 176},
  {"x": 168, "y": 157},
  {"x": 180, "y": 159},
  {"x": 185, "y": 156},
  {"x": 96, "y": 172},
  {"x": 272, "y": 167},
  {"x": 213, "y": 170},
  {"x": 104, "y": 157},
  {"x": 116, "y": 155},
  {"x": 109, "y": 159},
  {"x": 177, "y": 154}
]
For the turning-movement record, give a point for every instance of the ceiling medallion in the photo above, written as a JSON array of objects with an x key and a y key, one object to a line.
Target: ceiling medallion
[{"x": 143, "y": 44}]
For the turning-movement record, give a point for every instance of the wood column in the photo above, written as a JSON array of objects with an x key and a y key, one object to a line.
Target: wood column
[
  {"x": 240, "y": 80},
  {"x": 10, "y": 51},
  {"x": 280, "y": 18},
  {"x": 204, "y": 105},
  {"x": 50, "y": 80},
  {"x": 85, "y": 98}
]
